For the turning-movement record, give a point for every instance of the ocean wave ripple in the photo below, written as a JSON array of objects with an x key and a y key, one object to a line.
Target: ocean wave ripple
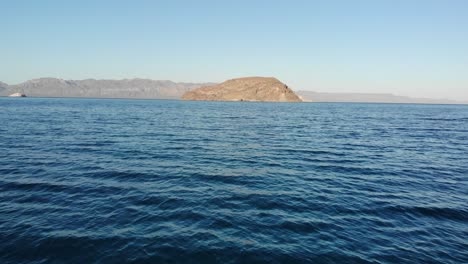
[{"x": 137, "y": 181}]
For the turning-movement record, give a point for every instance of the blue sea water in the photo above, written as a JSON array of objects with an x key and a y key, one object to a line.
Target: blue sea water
[{"x": 154, "y": 181}]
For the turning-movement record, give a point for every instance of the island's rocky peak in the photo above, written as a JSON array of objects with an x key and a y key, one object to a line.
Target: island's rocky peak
[{"x": 263, "y": 89}]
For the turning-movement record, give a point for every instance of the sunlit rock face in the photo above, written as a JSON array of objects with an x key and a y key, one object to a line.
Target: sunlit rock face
[{"x": 261, "y": 89}]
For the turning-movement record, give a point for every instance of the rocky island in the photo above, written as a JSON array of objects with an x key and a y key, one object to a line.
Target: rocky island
[{"x": 257, "y": 89}]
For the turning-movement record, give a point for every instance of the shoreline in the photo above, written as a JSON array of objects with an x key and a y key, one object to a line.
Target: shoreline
[{"x": 178, "y": 99}]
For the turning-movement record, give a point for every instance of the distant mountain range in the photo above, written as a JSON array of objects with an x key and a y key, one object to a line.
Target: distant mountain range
[
  {"x": 154, "y": 89},
  {"x": 91, "y": 88},
  {"x": 3, "y": 87}
]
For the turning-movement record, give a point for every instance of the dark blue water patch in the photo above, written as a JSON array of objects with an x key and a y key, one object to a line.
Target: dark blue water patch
[{"x": 142, "y": 181}]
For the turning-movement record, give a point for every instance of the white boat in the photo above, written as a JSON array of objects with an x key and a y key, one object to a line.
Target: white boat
[{"x": 17, "y": 95}]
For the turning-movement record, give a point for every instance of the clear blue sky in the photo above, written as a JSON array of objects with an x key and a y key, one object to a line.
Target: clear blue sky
[{"x": 406, "y": 47}]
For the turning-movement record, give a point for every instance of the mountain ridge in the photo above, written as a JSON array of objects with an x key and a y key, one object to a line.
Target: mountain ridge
[{"x": 102, "y": 88}]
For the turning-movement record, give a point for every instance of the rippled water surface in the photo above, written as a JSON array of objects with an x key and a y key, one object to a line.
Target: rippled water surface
[{"x": 112, "y": 181}]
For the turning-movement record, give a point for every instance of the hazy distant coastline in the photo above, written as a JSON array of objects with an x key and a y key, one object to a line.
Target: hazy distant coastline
[
  {"x": 310, "y": 96},
  {"x": 164, "y": 89},
  {"x": 91, "y": 88}
]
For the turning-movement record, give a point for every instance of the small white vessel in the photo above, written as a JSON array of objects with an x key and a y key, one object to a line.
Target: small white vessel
[{"x": 17, "y": 95}]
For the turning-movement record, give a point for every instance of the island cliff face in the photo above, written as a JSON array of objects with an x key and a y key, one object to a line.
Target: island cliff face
[{"x": 262, "y": 89}]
